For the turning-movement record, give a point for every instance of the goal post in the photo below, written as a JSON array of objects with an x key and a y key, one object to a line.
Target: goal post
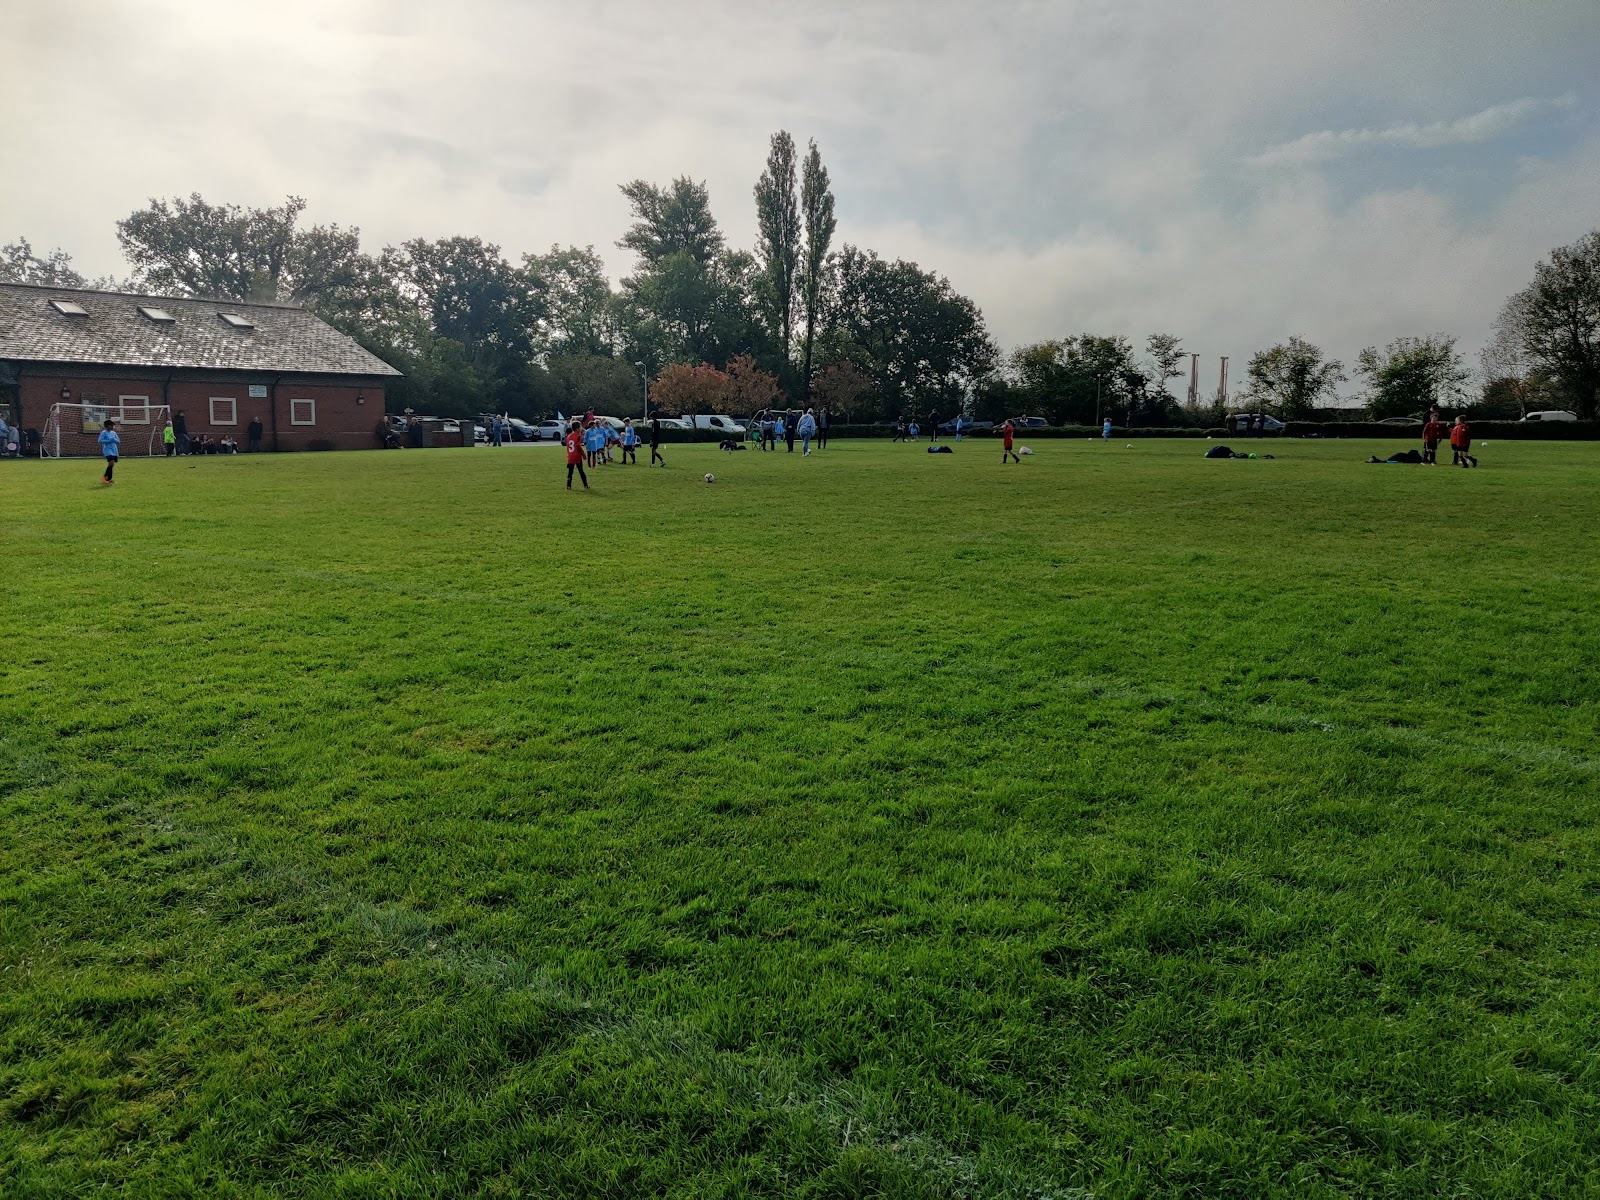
[{"x": 73, "y": 430}]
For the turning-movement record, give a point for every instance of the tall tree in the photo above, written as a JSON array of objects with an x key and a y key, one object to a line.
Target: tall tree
[
  {"x": 816, "y": 201},
  {"x": 671, "y": 220},
  {"x": 19, "y": 264},
  {"x": 1556, "y": 319},
  {"x": 1078, "y": 379},
  {"x": 1411, "y": 375},
  {"x": 465, "y": 291},
  {"x": 1166, "y": 354},
  {"x": 1291, "y": 377},
  {"x": 689, "y": 298},
  {"x": 578, "y": 314},
  {"x": 233, "y": 253},
  {"x": 778, "y": 247},
  {"x": 922, "y": 342}
]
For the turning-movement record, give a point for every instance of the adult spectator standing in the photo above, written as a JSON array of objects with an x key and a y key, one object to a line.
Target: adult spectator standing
[
  {"x": 253, "y": 433},
  {"x": 933, "y": 426},
  {"x": 497, "y": 431},
  {"x": 414, "y": 430},
  {"x": 791, "y": 422},
  {"x": 823, "y": 419},
  {"x": 808, "y": 430},
  {"x": 180, "y": 428}
]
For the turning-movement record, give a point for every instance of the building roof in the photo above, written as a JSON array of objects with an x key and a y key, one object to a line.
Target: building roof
[{"x": 275, "y": 338}]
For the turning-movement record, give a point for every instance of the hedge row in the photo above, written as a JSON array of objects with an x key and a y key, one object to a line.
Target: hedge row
[
  {"x": 1481, "y": 430},
  {"x": 1054, "y": 431}
]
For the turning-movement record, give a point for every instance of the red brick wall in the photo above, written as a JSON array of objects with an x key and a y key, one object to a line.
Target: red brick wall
[{"x": 339, "y": 420}]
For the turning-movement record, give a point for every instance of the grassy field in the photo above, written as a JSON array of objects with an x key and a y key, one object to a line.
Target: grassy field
[{"x": 873, "y": 824}]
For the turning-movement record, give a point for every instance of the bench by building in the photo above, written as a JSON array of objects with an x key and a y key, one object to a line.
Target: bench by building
[{"x": 219, "y": 363}]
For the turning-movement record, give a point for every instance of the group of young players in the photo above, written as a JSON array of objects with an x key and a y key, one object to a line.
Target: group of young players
[
  {"x": 597, "y": 442},
  {"x": 1433, "y": 430}
]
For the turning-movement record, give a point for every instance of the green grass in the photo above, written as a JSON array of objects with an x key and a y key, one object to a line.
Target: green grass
[{"x": 875, "y": 824}]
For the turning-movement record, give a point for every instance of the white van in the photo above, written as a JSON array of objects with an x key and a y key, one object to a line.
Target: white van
[
  {"x": 1559, "y": 414},
  {"x": 725, "y": 425}
]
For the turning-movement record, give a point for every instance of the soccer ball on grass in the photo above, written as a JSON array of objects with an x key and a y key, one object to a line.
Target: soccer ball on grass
[{"x": 710, "y": 478}]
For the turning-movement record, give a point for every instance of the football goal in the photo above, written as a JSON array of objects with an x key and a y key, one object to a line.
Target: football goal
[{"x": 73, "y": 430}]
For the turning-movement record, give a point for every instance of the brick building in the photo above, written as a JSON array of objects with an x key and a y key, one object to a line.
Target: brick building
[{"x": 219, "y": 363}]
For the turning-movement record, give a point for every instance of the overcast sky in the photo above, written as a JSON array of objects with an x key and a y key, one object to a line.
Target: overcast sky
[{"x": 1231, "y": 172}]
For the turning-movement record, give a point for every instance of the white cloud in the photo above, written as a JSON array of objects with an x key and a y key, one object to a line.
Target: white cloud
[
  {"x": 1071, "y": 164},
  {"x": 1482, "y": 126}
]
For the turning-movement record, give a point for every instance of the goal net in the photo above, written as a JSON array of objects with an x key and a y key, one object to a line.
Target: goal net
[{"x": 73, "y": 430}]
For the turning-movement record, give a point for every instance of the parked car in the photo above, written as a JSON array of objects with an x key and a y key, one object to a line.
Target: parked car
[
  {"x": 1559, "y": 414},
  {"x": 1030, "y": 422},
  {"x": 718, "y": 423},
  {"x": 1258, "y": 421},
  {"x": 551, "y": 431},
  {"x": 675, "y": 423},
  {"x": 1400, "y": 421},
  {"x": 521, "y": 431}
]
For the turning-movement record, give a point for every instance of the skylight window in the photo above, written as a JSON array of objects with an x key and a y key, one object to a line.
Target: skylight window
[
  {"x": 238, "y": 322},
  {"x": 159, "y": 315},
  {"x": 69, "y": 308}
]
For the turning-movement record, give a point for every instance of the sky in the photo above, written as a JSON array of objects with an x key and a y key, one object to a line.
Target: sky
[{"x": 1231, "y": 172}]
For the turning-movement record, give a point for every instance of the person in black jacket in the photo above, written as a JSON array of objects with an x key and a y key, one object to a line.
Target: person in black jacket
[
  {"x": 180, "y": 429},
  {"x": 254, "y": 431},
  {"x": 655, "y": 440},
  {"x": 822, "y": 428}
]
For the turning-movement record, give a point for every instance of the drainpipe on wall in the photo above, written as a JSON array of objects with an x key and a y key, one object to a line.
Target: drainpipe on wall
[{"x": 272, "y": 404}]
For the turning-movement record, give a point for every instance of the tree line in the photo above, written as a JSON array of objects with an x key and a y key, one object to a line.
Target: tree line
[{"x": 794, "y": 320}]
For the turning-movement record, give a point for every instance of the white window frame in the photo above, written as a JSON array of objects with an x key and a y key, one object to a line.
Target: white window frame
[
  {"x": 142, "y": 408},
  {"x": 294, "y": 420},
  {"x": 233, "y": 410}
]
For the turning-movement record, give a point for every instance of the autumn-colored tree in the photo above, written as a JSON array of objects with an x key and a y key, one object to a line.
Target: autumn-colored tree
[
  {"x": 682, "y": 389},
  {"x": 750, "y": 389},
  {"x": 839, "y": 386}
]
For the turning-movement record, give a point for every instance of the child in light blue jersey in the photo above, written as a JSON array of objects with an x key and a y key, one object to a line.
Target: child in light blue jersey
[
  {"x": 630, "y": 443},
  {"x": 111, "y": 447}
]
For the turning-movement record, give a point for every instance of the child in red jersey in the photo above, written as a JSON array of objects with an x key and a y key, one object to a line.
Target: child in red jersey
[
  {"x": 1432, "y": 432},
  {"x": 574, "y": 444},
  {"x": 1461, "y": 444},
  {"x": 1008, "y": 433}
]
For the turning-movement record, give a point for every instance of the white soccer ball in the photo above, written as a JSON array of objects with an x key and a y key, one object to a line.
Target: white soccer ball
[
  {"x": 1130, "y": 445},
  {"x": 710, "y": 478},
  {"x": 1024, "y": 450}
]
